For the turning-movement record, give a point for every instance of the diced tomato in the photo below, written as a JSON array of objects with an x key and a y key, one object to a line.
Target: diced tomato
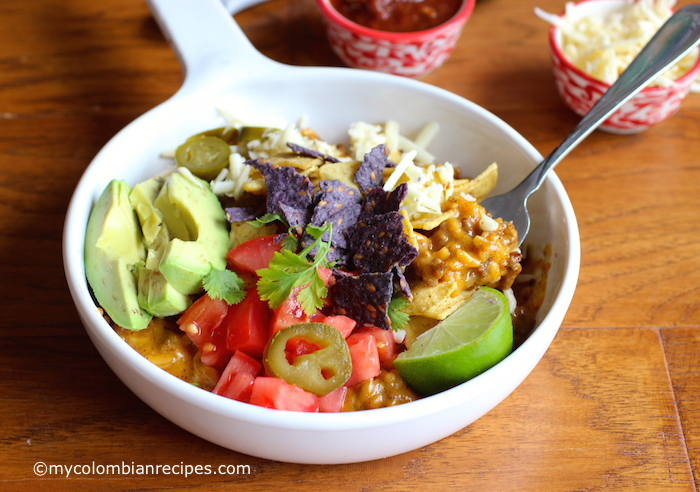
[
  {"x": 317, "y": 317},
  {"x": 277, "y": 393},
  {"x": 236, "y": 381},
  {"x": 247, "y": 324},
  {"x": 333, "y": 401},
  {"x": 290, "y": 312},
  {"x": 326, "y": 274},
  {"x": 240, "y": 388},
  {"x": 202, "y": 322},
  {"x": 298, "y": 346},
  {"x": 254, "y": 254},
  {"x": 341, "y": 323},
  {"x": 365, "y": 358},
  {"x": 386, "y": 345}
]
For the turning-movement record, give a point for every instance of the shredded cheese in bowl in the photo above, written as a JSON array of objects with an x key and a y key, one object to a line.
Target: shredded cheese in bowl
[{"x": 603, "y": 44}]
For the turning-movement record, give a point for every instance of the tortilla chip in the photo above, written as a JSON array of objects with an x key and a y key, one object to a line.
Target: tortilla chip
[
  {"x": 311, "y": 173},
  {"x": 415, "y": 327},
  {"x": 242, "y": 232},
  {"x": 428, "y": 222},
  {"x": 255, "y": 186},
  {"x": 479, "y": 187},
  {"x": 343, "y": 171},
  {"x": 296, "y": 161},
  {"x": 408, "y": 229},
  {"x": 436, "y": 302}
]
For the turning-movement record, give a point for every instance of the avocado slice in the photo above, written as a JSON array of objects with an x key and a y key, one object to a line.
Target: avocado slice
[
  {"x": 197, "y": 224},
  {"x": 113, "y": 244},
  {"x": 157, "y": 296},
  {"x": 142, "y": 197}
]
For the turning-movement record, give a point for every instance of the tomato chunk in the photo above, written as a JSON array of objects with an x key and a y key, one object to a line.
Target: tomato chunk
[
  {"x": 298, "y": 346},
  {"x": 202, "y": 322},
  {"x": 333, "y": 401},
  {"x": 240, "y": 387},
  {"x": 254, "y": 254},
  {"x": 278, "y": 394},
  {"x": 341, "y": 323},
  {"x": 386, "y": 345},
  {"x": 290, "y": 312},
  {"x": 365, "y": 358},
  {"x": 247, "y": 325},
  {"x": 236, "y": 382}
]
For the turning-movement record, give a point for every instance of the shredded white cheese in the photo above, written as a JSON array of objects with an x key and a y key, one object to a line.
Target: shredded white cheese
[
  {"x": 428, "y": 186},
  {"x": 603, "y": 46},
  {"x": 400, "y": 336},
  {"x": 512, "y": 301},
  {"x": 230, "y": 181}
]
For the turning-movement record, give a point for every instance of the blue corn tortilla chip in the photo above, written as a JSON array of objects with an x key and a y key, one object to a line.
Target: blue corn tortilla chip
[
  {"x": 304, "y": 152},
  {"x": 370, "y": 174},
  {"x": 242, "y": 214},
  {"x": 400, "y": 282},
  {"x": 297, "y": 218},
  {"x": 285, "y": 186},
  {"x": 336, "y": 191},
  {"x": 339, "y": 204},
  {"x": 378, "y": 243},
  {"x": 377, "y": 201},
  {"x": 364, "y": 298},
  {"x": 342, "y": 220}
]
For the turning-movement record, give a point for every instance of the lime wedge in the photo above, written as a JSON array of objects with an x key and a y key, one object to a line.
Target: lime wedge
[{"x": 477, "y": 336}]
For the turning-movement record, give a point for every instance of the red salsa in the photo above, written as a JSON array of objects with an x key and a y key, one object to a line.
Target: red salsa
[{"x": 398, "y": 15}]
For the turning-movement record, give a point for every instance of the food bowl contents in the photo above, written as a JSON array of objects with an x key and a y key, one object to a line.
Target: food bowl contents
[
  {"x": 398, "y": 15},
  {"x": 603, "y": 44},
  {"x": 274, "y": 268}
]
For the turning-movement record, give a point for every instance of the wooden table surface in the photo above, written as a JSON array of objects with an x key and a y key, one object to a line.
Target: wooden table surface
[{"x": 613, "y": 405}]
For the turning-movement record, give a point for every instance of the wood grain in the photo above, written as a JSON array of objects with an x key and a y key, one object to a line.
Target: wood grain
[{"x": 612, "y": 406}]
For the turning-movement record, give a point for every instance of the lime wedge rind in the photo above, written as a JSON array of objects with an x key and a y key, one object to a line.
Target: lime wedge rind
[{"x": 473, "y": 339}]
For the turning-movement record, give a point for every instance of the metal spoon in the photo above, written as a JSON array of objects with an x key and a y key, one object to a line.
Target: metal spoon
[{"x": 679, "y": 35}]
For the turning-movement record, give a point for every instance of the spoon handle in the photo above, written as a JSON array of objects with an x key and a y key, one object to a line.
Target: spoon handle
[{"x": 679, "y": 35}]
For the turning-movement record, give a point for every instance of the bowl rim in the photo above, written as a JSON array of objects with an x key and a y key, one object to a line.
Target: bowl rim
[
  {"x": 455, "y": 22},
  {"x": 557, "y": 51}
]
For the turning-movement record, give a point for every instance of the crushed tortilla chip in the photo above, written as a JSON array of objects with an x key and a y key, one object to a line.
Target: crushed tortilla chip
[
  {"x": 243, "y": 231},
  {"x": 415, "y": 327},
  {"x": 428, "y": 222},
  {"x": 296, "y": 161},
  {"x": 436, "y": 302},
  {"x": 480, "y": 186},
  {"x": 255, "y": 186},
  {"x": 343, "y": 171}
]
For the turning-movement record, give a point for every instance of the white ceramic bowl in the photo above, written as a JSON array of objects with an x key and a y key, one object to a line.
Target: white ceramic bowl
[{"x": 332, "y": 98}]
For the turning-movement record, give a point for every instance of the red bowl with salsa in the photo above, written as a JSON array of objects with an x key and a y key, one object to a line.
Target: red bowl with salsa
[{"x": 402, "y": 37}]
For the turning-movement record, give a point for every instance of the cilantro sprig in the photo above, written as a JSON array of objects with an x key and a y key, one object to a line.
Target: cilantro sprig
[
  {"x": 290, "y": 241},
  {"x": 266, "y": 219},
  {"x": 288, "y": 271},
  {"x": 397, "y": 317},
  {"x": 225, "y": 285}
]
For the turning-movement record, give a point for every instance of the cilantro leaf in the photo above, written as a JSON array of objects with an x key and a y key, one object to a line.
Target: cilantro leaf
[
  {"x": 311, "y": 298},
  {"x": 266, "y": 219},
  {"x": 225, "y": 285},
  {"x": 288, "y": 270},
  {"x": 397, "y": 317},
  {"x": 290, "y": 242}
]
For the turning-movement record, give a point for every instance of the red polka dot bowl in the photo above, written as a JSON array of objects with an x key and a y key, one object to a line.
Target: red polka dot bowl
[
  {"x": 410, "y": 54},
  {"x": 580, "y": 91}
]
